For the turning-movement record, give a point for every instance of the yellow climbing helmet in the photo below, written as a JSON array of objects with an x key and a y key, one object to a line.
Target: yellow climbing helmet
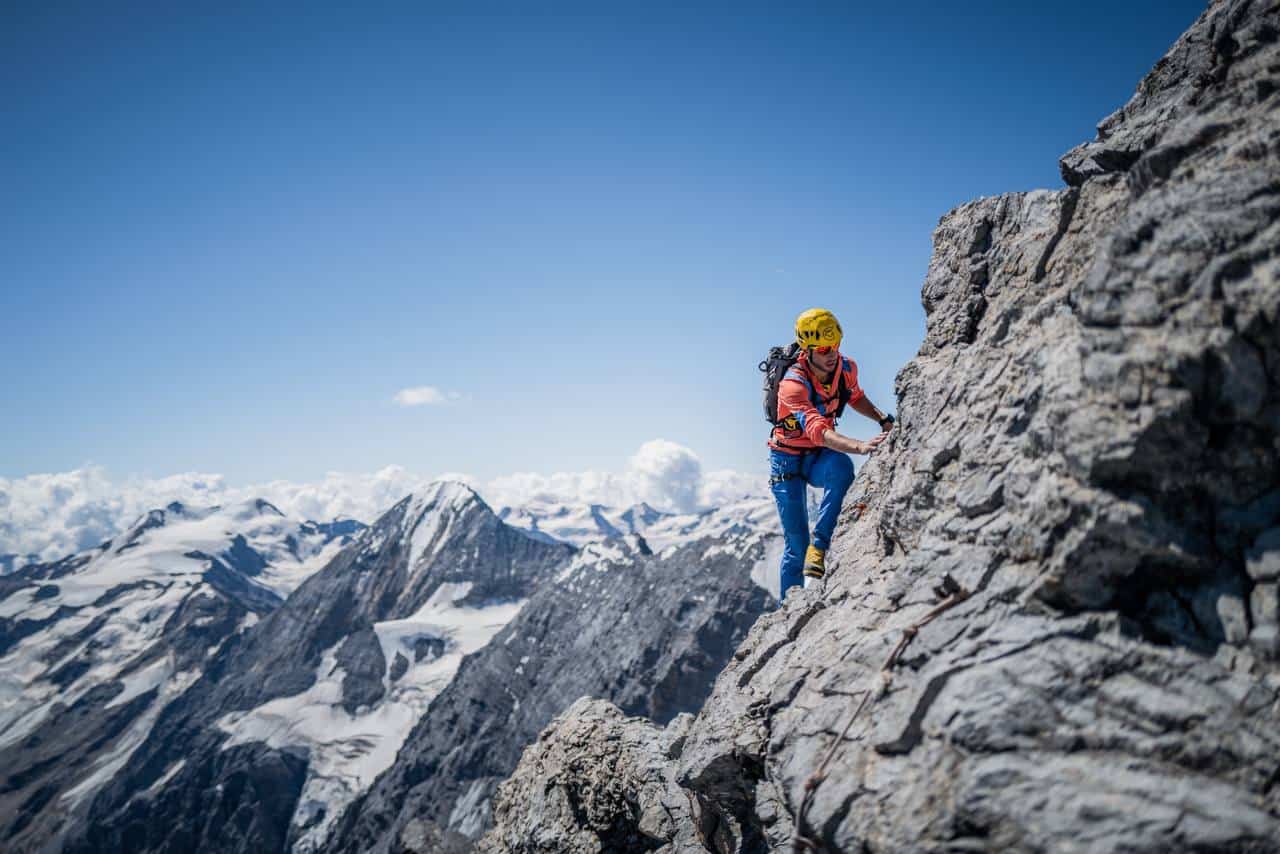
[{"x": 818, "y": 327}]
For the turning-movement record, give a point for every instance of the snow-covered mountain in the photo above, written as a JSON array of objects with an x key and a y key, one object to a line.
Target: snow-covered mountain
[
  {"x": 582, "y": 523},
  {"x": 93, "y": 647},
  {"x": 301, "y": 712},
  {"x": 275, "y": 668},
  {"x": 736, "y": 527},
  {"x": 579, "y": 523},
  {"x": 649, "y": 632}
]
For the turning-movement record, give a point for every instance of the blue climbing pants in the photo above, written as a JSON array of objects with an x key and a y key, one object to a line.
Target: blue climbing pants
[{"x": 789, "y": 476}]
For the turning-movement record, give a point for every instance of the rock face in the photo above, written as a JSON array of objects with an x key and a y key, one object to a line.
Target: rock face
[
  {"x": 1089, "y": 444},
  {"x": 596, "y": 766},
  {"x": 648, "y": 632},
  {"x": 292, "y": 717}
]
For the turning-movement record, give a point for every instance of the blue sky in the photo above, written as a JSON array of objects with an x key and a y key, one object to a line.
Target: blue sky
[{"x": 232, "y": 235}]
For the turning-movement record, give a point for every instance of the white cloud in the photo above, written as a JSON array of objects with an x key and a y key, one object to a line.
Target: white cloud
[
  {"x": 668, "y": 474},
  {"x": 664, "y": 474},
  {"x": 53, "y": 515},
  {"x": 425, "y": 395},
  {"x": 727, "y": 486},
  {"x": 340, "y": 494}
]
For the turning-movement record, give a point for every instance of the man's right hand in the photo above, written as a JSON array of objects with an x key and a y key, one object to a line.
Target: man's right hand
[
  {"x": 872, "y": 443},
  {"x": 836, "y": 442}
]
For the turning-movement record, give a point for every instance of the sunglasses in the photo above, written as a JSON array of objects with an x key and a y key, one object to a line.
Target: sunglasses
[{"x": 822, "y": 351}]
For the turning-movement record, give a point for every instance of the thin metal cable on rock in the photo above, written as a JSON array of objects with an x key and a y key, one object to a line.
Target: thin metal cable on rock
[{"x": 955, "y": 594}]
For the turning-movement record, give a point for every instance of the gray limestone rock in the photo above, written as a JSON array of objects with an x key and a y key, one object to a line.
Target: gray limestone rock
[
  {"x": 606, "y": 778},
  {"x": 1089, "y": 444}
]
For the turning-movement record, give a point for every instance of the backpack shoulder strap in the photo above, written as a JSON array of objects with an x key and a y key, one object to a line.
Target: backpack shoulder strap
[{"x": 844, "y": 391}]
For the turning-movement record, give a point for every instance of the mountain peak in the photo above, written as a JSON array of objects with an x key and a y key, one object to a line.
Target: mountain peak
[
  {"x": 262, "y": 505},
  {"x": 643, "y": 513},
  {"x": 148, "y": 521},
  {"x": 441, "y": 495},
  {"x": 428, "y": 515},
  {"x": 254, "y": 507}
]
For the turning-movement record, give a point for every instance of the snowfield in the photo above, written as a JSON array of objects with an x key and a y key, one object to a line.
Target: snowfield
[
  {"x": 348, "y": 751},
  {"x": 107, "y": 617}
]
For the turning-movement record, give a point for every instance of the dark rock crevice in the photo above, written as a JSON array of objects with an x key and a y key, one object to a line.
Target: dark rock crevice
[{"x": 1065, "y": 216}]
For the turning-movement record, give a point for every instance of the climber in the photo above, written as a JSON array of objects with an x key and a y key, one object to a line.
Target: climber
[{"x": 805, "y": 449}]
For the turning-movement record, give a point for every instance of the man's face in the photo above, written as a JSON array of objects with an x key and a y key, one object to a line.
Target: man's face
[{"x": 824, "y": 358}]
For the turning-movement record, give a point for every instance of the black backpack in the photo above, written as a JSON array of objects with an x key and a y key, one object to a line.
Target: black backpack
[{"x": 775, "y": 367}]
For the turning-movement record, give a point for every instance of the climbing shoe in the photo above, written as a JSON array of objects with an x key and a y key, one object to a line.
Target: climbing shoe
[{"x": 815, "y": 565}]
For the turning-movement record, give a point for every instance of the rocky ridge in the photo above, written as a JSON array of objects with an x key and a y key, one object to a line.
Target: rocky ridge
[{"x": 1089, "y": 450}]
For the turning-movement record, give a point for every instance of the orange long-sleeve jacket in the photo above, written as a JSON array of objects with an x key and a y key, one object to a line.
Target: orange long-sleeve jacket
[{"x": 806, "y": 407}]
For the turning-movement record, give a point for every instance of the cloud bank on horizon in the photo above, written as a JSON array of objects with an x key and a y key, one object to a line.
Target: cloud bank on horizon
[{"x": 54, "y": 515}]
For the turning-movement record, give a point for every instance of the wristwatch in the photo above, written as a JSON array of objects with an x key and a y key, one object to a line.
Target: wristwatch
[{"x": 888, "y": 419}]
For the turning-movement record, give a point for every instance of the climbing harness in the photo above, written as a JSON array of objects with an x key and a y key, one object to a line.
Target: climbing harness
[{"x": 779, "y": 478}]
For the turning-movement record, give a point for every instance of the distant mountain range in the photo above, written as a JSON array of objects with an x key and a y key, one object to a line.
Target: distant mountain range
[
  {"x": 96, "y": 645},
  {"x": 233, "y": 662}
]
